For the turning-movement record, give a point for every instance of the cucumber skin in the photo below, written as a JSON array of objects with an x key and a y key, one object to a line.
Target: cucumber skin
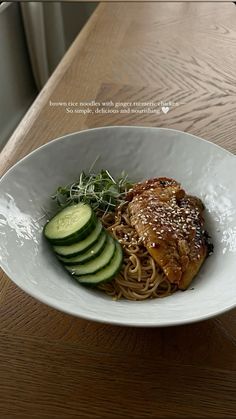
[
  {"x": 75, "y": 237},
  {"x": 94, "y": 285},
  {"x": 109, "y": 242},
  {"x": 82, "y": 251},
  {"x": 66, "y": 260}
]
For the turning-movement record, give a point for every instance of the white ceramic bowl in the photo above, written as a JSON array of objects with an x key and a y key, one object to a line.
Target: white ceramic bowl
[{"x": 203, "y": 168}]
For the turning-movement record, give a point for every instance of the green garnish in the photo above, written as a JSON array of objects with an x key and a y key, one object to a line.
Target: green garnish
[{"x": 100, "y": 190}]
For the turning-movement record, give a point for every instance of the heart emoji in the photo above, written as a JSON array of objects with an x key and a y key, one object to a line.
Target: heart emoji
[{"x": 165, "y": 109}]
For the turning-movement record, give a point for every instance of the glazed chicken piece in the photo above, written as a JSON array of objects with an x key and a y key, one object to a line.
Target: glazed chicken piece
[{"x": 170, "y": 225}]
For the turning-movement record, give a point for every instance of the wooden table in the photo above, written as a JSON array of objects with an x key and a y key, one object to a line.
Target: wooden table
[{"x": 55, "y": 366}]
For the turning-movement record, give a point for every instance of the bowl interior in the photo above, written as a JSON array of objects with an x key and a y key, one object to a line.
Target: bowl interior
[{"x": 203, "y": 169}]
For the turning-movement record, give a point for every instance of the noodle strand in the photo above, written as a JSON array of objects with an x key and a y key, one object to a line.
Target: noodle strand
[{"x": 140, "y": 277}]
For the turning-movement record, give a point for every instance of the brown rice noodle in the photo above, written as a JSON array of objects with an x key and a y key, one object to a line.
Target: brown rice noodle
[{"x": 140, "y": 277}]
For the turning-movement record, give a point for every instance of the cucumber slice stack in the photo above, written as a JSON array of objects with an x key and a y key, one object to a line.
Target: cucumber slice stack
[{"x": 83, "y": 246}]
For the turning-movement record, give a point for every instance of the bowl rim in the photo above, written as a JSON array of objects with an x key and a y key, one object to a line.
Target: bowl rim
[
  {"x": 122, "y": 322},
  {"x": 63, "y": 137}
]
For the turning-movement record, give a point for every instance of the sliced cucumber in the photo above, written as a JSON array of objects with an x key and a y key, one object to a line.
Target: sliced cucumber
[
  {"x": 92, "y": 253},
  {"x": 81, "y": 246},
  {"x": 71, "y": 224},
  {"x": 96, "y": 264},
  {"x": 107, "y": 273}
]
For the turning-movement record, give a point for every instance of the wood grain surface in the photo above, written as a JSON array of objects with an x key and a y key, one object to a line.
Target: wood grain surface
[{"x": 53, "y": 365}]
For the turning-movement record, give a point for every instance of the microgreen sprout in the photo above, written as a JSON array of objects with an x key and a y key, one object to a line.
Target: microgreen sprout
[{"x": 100, "y": 190}]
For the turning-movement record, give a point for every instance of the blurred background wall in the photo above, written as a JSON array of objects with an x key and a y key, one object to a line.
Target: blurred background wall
[{"x": 33, "y": 38}]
